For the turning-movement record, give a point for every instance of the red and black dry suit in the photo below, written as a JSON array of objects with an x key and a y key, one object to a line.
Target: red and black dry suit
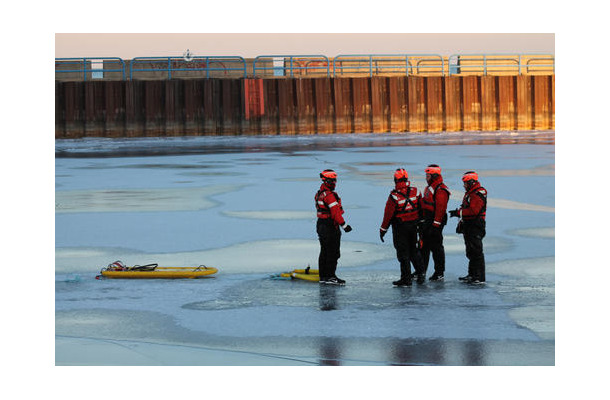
[
  {"x": 330, "y": 217},
  {"x": 403, "y": 211},
  {"x": 434, "y": 205},
  {"x": 472, "y": 214}
]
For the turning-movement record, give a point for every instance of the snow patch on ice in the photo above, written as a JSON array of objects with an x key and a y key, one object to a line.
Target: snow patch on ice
[
  {"x": 271, "y": 214},
  {"x": 81, "y": 252},
  {"x": 515, "y": 205},
  {"x": 547, "y": 170},
  {"x": 533, "y": 267},
  {"x": 139, "y": 200},
  {"x": 546, "y": 233},
  {"x": 540, "y": 319},
  {"x": 532, "y": 285}
]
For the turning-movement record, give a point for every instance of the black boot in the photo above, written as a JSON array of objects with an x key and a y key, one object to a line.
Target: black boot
[
  {"x": 437, "y": 277},
  {"x": 403, "y": 282}
]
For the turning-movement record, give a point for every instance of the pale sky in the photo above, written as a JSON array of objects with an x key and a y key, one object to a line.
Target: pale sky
[{"x": 250, "y": 45}]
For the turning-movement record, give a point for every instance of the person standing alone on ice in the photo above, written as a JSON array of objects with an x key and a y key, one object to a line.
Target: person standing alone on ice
[
  {"x": 403, "y": 212},
  {"x": 472, "y": 226},
  {"x": 330, "y": 218},
  {"x": 434, "y": 204}
]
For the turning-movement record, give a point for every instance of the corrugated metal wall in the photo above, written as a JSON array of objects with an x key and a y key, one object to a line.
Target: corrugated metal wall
[{"x": 292, "y": 106}]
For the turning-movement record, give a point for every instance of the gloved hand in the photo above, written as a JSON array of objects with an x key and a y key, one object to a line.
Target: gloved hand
[
  {"x": 435, "y": 232},
  {"x": 347, "y": 228},
  {"x": 382, "y": 234},
  {"x": 454, "y": 213}
]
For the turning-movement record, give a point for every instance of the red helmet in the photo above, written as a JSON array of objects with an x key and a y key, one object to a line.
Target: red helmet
[
  {"x": 400, "y": 174},
  {"x": 328, "y": 174},
  {"x": 470, "y": 176},
  {"x": 433, "y": 169}
]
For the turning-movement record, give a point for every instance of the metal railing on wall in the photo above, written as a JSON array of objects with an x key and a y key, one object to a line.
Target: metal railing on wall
[
  {"x": 343, "y": 65},
  {"x": 189, "y": 67},
  {"x": 290, "y": 65},
  {"x": 493, "y": 64},
  {"x": 92, "y": 67},
  {"x": 387, "y": 64}
]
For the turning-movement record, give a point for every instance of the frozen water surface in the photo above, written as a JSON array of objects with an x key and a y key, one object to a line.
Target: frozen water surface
[{"x": 245, "y": 206}]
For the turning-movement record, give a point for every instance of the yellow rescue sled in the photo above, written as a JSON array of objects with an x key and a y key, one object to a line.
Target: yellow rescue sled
[
  {"x": 306, "y": 274},
  {"x": 152, "y": 271}
]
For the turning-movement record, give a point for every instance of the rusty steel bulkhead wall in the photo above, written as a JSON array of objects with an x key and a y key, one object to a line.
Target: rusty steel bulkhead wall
[{"x": 290, "y": 106}]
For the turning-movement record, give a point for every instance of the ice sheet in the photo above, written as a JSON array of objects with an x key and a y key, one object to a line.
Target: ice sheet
[{"x": 245, "y": 206}]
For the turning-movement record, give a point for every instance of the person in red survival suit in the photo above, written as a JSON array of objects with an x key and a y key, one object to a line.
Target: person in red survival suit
[
  {"x": 434, "y": 205},
  {"x": 403, "y": 212},
  {"x": 472, "y": 226},
  {"x": 330, "y": 218}
]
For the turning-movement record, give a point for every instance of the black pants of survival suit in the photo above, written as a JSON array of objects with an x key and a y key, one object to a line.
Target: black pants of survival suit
[
  {"x": 330, "y": 244},
  {"x": 474, "y": 232},
  {"x": 404, "y": 235},
  {"x": 432, "y": 242}
]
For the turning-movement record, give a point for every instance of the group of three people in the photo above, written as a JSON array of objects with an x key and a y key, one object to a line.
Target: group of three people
[{"x": 409, "y": 214}]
